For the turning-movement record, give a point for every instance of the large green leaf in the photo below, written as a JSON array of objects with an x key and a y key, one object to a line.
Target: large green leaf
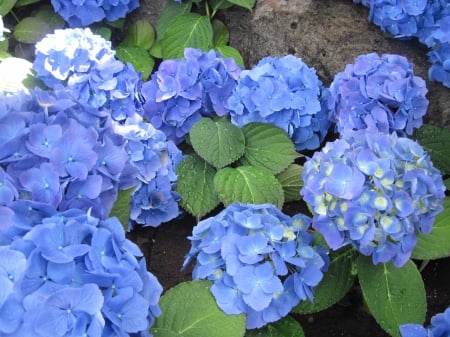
[
  {"x": 6, "y": 6},
  {"x": 121, "y": 208},
  {"x": 248, "y": 184},
  {"x": 31, "y": 30},
  {"x": 170, "y": 12},
  {"x": 292, "y": 182},
  {"x": 432, "y": 138},
  {"x": 217, "y": 141},
  {"x": 268, "y": 147},
  {"x": 189, "y": 310},
  {"x": 187, "y": 30},
  {"x": 244, "y": 3},
  {"x": 335, "y": 284},
  {"x": 393, "y": 295},
  {"x": 286, "y": 327},
  {"x": 140, "y": 34},
  {"x": 52, "y": 19},
  {"x": 196, "y": 185},
  {"x": 221, "y": 35},
  {"x": 138, "y": 57},
  {"x": 436, "y": 244},
  {"x": 230, "y": 52}
]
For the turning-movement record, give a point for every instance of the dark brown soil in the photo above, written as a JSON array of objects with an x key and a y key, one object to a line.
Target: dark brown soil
[{"x": 166, "y": 246}]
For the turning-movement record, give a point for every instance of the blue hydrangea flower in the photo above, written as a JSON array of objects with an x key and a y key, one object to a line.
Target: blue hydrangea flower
[
  {"x": 375, "y": 191},
  {"x": 261, "y": 261},
  {"x": 85, "y": 63},
  {"x": 379, "y": 93},
  {"x": 72, "y": 274},
  {"x": 82, "y": 14},
  {"x": 440, "y": 64},
  {"x": 439, "y": 327},
  {"x": 181, "y": 91},
  {"x": 284, "y": 92}
]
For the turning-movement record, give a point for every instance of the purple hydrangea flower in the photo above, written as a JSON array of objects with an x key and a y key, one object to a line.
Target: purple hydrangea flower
[
  {"x": 379, "y": 93},
  {"x": 261, "y": 261},
  {"x": 73, "y": 274},
  {"x": 375, "y": 191},
  {"x": 82, "y": 14},
  {"x": 286, "y": 93},
  {"x": 439, "y": 327},
  {"x": 181, "y": 91},
  {"x": 86, "y": 64}
]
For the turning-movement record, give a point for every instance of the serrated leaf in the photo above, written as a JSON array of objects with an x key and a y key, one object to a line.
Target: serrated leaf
[
  {"x": 335, "y": 284},
  {"x": 169, "y": 13},
  {"x": 190, "y": 310},
  {"x": 6, "y": 6},
  {"x": 436, "y": 244},
  {"x": 393, "y": 295},
  {"x": 230, "y": 52},
  {"x": 248, "y": 184},
  {"x": 431, "y": 137},
  {"x": 221, "y": 35},
  {"x": 286, "y": 327},
  {"x": 268, "y": 147},
  {"x": 31, "y": 30},
  {"x": 16, "y": 74},
  {"x": 121, "y": 208},
  {"x": 140, "y": 34},
  {"x": 291, "y": 181},
  {"x": 188, "y": 30},
  {"x": 244, "y": 3},
  {"x": 138, "y": 57},
  {"x": 217, "y": 141},
  {"x": 196, "y": 185}
]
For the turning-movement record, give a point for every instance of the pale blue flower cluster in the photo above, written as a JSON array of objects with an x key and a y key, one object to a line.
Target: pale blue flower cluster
[
  {"x": 375, "y": 191},
  {"x": 83, "y": 13},
  {"x": 379, "y": 93},
  {"x": 72, "y": 274},
  {"x": 261, "y": 261},
  {"x": 183, "y": 90},
  {"x": 428, "y": 21},
  {"x": 284, "y": 92},
  {"x": 85, "y": 63},
  {"x": 439, "y": 327}
]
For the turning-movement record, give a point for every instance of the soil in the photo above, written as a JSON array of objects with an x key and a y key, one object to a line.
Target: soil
[{"x": 166, "y": 246}]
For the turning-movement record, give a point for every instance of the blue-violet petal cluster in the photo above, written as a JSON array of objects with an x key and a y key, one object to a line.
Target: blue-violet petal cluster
[
  {"x": 284, "y": 92},
  {"x": 183, "y": 90},
  {"x": 379, "y": 93},
  {"x": 375, "y": 191},
  {"x": 262, "y": 262},
  {"x": 439, "y": 327}
]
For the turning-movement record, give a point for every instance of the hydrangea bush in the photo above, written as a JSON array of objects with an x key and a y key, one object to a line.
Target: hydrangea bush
[
  {"x": 183, "y": 90},
  {"x": 375, "y": 191},
  {"x": 284, "y": 92},
  {"x": 72, "y": 274},
  {"x": 379, "y": 93},
  {"x": 261, "y": 261}
]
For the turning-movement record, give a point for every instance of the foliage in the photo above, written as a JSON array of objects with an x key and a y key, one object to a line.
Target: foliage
[
  {"x": 261, "y": 261},
  {"x": 231, "y": 164}
]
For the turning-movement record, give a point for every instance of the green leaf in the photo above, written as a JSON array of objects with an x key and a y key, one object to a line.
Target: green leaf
[
  {"x": 292, "y": 182},
  {"x": 393, "y": 295},
  {"x": 155, "y": 50},
  {"x": 31, "y": 30},
  {"x": 244, "y": 3},
  {"x": 48, "y": 15},
  {"x": 221, "y": 35},
  {"x": 171, "y": 11},
  {"x": 436, "y": 244},
  {"x": 217, "y": 141},
  {"x": 431, "y": 137},
  {"x": 286, "y": 327},
  {"x": 219, "y": 4},
  {"x": 21, "y": 3},
  {"x": 138, "y": 57},
  {"x": 335, "y": 284},
  {"x": 268, "y": 147},
  {"x": 196, "y": 185},
  {"x": 230, "y": 52},
  {"x": 447, "y": 183},
  {"x": 248, "y": 184},
  {"x": 103, "y": 31},
  {"x": 187, "y": 30},
  {"x": 190, "y": 310},
  {"x": 6, "y": 6},
  {"x": 140, "y": 34},
  {"x": 16, "y": 74},
  {"x": 121, "y": 208}
]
